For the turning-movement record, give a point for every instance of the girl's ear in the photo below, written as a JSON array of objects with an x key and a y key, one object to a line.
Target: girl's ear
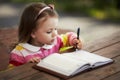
[{"x": 33, "y": 35}]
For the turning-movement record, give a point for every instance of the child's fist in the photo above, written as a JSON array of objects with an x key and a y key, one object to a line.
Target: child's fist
[
  {"x": 35, "y": 59},
  {"x": 77, "y": 43}
]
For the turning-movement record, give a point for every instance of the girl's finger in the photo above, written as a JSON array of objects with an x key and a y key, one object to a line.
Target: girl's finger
[
  {"x": 79, "y": 45},
  {"x": 75, "y": 41},
  {"x": 36, "y": 59},
  {"x": 31, "y": 60}
]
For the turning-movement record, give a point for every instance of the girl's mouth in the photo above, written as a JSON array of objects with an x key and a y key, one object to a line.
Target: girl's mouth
[{"x": 52, "y": 40}]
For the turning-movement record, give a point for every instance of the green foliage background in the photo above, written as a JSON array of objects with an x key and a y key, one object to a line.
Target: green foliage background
[{"x": 100, "y": 9}]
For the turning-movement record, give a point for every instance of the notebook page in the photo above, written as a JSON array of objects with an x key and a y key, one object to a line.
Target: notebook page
[
  {"x": 61, "y": 64},
  {"x": 92, "y": 58}
]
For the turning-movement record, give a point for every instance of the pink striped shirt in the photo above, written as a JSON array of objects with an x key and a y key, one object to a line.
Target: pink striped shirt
[{"x": 23, "y": 52}]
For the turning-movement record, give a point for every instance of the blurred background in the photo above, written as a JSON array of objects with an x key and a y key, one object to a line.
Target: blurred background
[{"x": 96, "y": 18}]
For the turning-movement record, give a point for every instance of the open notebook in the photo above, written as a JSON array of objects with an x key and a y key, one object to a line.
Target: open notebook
[{"x": 66, "y": 65}]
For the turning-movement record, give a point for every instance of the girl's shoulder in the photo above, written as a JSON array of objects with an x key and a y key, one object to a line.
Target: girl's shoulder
[{"x": 18, "y": 47}]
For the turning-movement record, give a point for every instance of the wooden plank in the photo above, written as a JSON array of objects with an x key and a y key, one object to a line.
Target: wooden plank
[
  {"x": 36, "y": 76},
  {"x": 18, "y": 72},
  {"x": 116, "y": 76},
  {"x": 4, "y": 57},
  {"x": 102, "y": 42},
  {"x": 102, "y": 72},
  {"x": 110, "y": 52},
  {"x": 25, "y": 73},
  {"x": 41, "y": 76},
  {"x": 50, "y": 77}
]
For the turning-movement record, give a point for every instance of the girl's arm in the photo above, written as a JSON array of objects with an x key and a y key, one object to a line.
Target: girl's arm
[{"x": 70, "y": 39}]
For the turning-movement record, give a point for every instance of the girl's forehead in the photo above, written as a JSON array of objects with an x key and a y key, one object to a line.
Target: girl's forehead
[
  {"x": 52, "y": 20},
  {"x": 48, "y": 23}
]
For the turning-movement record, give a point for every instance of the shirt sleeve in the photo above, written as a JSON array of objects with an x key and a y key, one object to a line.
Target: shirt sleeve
[
  {"x": 16, "y": 58},
  {"x": 68, "y": 38}
]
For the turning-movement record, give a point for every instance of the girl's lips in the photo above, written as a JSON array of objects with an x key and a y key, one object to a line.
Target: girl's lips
[{"x": 52, "y": 40}]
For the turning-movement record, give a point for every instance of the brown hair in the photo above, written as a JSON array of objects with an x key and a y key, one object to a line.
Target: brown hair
[{"x": 29, "y": 20}]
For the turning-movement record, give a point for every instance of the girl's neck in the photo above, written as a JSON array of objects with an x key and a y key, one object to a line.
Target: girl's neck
[{"x": 36, "y": 44}]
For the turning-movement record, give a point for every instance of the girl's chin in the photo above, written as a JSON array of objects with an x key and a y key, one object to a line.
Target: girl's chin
[{"x": 52, "y": 42}]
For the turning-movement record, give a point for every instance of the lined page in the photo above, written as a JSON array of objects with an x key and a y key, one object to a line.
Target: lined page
[
  {"x": 61, "y": 64},
  {"x": 85, "y": 56}
]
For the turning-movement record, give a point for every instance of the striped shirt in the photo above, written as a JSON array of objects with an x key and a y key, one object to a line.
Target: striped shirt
[{"x": 23, "y": 52}]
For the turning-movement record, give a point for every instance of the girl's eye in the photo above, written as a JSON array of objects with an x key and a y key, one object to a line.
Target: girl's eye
[{"x": 49, "y": 32}]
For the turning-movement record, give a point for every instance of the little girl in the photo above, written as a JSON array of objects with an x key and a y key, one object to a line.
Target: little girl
[{"x": 38, "y": 36}]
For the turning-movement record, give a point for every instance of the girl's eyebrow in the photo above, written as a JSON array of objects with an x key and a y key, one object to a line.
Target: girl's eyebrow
[{"x": 51, "y": 28}]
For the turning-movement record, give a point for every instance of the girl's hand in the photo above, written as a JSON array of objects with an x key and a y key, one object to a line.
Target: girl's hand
[
  {"x": 35, "y": 60},
  {"x": 77, "y": 44}
]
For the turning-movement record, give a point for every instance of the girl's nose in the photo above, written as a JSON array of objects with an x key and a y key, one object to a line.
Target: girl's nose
[{"x": 54, "y": 34}]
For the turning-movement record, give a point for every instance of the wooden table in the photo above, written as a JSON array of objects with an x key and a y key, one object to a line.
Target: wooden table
[{"x": 108, "y": 47}]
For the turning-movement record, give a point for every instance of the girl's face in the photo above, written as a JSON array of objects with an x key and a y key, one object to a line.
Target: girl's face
[{"x": 46, "y": 32}]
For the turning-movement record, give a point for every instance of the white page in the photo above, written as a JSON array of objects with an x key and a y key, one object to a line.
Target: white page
[
  {"x": 92, "y": 58},
  {"x": 61, "y": 64}
]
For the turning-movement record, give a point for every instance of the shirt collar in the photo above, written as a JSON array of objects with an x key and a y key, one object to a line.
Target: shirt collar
[
  {"x": 36, "y": 48},
  {"x": 30, "y": 47}
]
